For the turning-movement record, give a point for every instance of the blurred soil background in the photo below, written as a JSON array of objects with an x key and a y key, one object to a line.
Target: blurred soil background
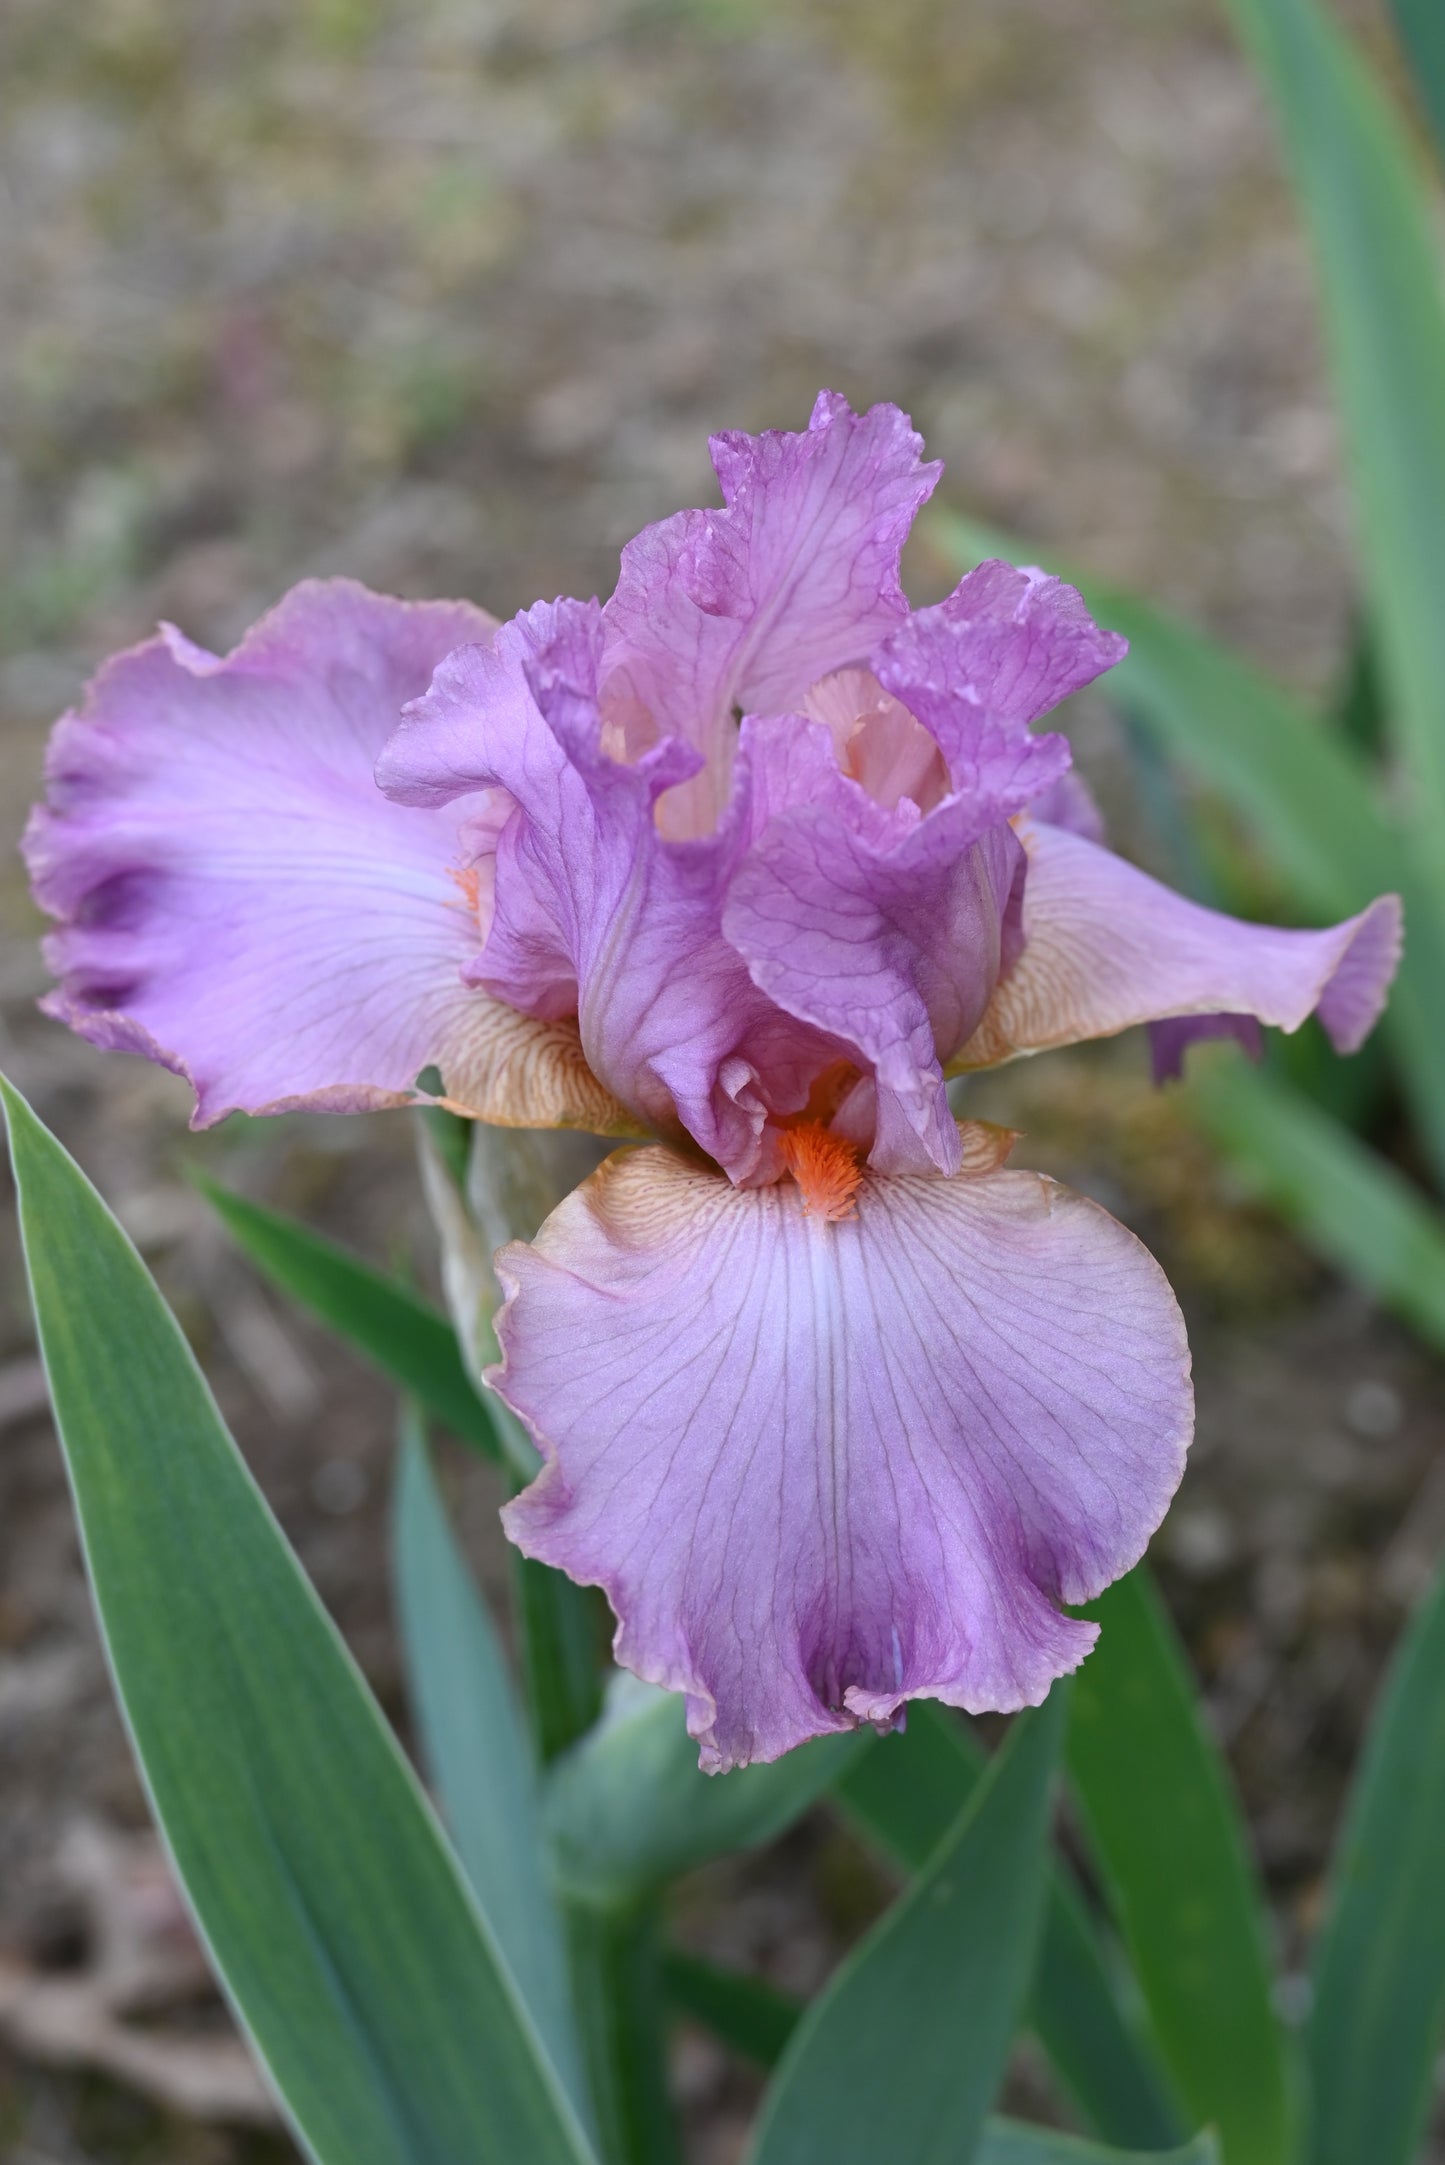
[{"x": 448, "y": 296}]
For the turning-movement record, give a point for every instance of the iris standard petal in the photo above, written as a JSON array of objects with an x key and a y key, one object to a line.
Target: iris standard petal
[
  {"x": 825, "y": 1467},
  {"x": 1070, "y": 803},
  {"x": 719, "y": 612},
  {"x": 1105, "y": 946},
  {"x": 1004, "y": 648},
  {"x": 239, "y": 902},
  {"x": 596, "y": 913},
  {"x": 884, "y": 928}
]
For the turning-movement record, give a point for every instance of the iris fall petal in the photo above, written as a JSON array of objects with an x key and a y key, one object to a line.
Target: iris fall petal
[
  {"x": 825, "y": 1467},
  {"x": 238, "y": 900},
  {"x": 1105, "y": 947}
]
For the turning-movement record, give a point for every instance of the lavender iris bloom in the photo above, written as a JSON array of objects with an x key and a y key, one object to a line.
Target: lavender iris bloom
[{"x": 744, "y": 865}]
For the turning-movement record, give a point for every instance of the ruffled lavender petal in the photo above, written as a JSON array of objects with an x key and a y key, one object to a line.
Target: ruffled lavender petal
[
  {"x": 1106, "y": 947},
  {"x": 884, "y": 928},
  {"x": 595, "y": 911},
  {"x": 720, "y": 612},
  {"x": 823, "y": 1468},
  {"x": 237, "y": 899},
  {"x": 1353, "y": 995},
  {"x": 1002, "y": 651},
  {"x": 1171, "y": 1039},
  {"x": 1070, "y": 803}
]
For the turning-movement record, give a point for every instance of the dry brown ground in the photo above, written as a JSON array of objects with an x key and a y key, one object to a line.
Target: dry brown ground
[{"x": 448, "y": 296}]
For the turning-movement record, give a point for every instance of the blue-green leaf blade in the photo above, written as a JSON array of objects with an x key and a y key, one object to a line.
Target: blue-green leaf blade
[
  {"x": 627, "y": 1809},
  {"x": 902, "y": 2053},
  {"x": 478, "y": 1751},
  {"x": 903, "y": 1795},
  {"x": 1166, "y": 1831},
  {"x": 1012, "y": 2142},
  {"x": 1421, "y": 25},
  {"x": 335, "y": 1915},
  {"x": 1357, "y": 701},
  {"x": 397, "y": 1331},
  {"x": 1362, "y": 190},
  {"x": 1347, "y": 1201},
  {"x": 1374, "y": 2037}
]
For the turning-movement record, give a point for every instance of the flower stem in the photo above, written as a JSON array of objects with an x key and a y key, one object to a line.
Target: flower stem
[{"x": 617, "y": 1985}]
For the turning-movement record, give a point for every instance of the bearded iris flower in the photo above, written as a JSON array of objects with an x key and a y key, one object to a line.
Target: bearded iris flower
[{"x": 742, "y": 867}]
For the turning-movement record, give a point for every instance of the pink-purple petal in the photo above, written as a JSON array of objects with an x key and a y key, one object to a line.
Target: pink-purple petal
[
  {"x": 1106, "y": 946},
  {"x": 1069, "y": 802},
  {"x": 883, "y": 928},
  {"x": 977, "y": 669},
  {"x": 720, "y": 612},
  {"x": 1171, "y": 1039},
  {"x": 595, "y": 911},
  {"x": 823, "y": 1468},
  {"x": 237, "y": 899}
]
